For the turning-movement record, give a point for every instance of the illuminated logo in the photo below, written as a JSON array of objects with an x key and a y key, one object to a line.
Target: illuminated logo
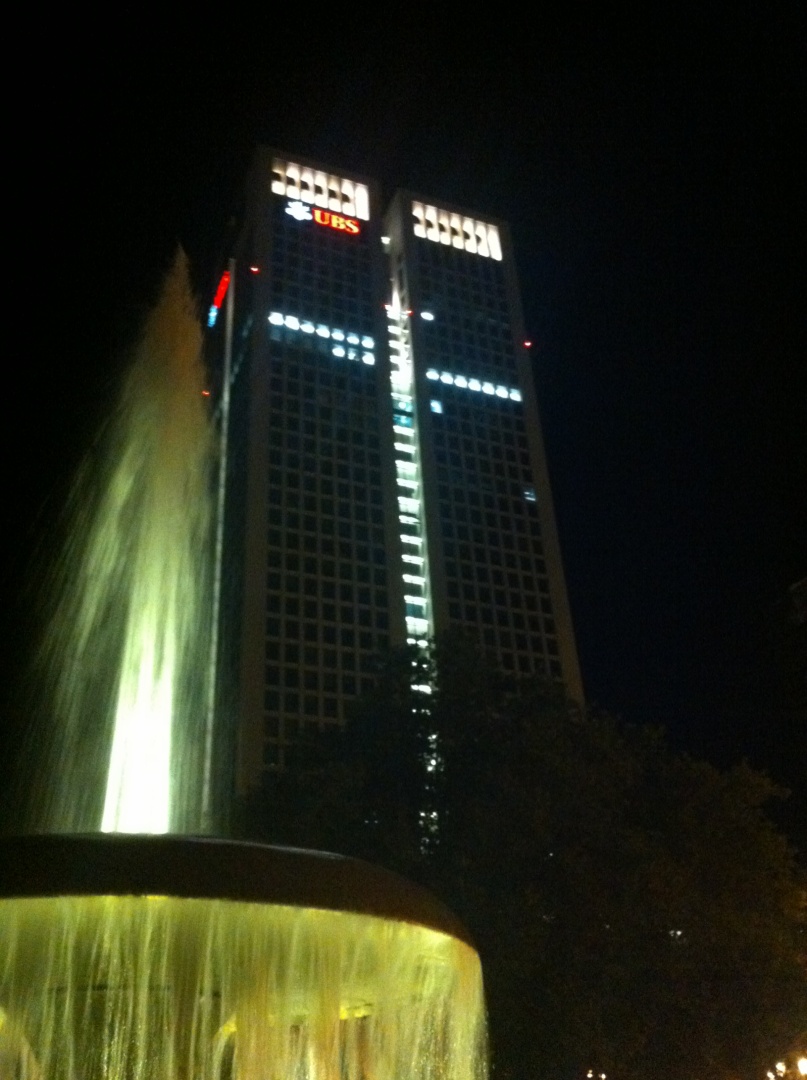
[
  {"x": 336, "y": 221},
  {"x": 300, "y": 212}
]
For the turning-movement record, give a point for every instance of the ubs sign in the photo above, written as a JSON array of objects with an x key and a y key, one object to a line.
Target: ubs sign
[{"x": 301, "y": 212}]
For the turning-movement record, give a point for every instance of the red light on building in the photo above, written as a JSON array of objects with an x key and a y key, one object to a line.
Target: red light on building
[
  {"x": 336, "y": 221},
  {"x": 221, "y": 291},
  {"x": 255, "y": 269},
  {"x": 205, "y": 393},
  {"x": 527, "y": 344}
]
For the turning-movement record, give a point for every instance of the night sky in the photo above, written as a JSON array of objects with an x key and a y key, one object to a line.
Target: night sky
[{"x": 652, "y": 175}]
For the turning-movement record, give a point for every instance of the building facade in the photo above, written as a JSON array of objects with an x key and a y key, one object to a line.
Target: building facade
[{"x": 386, "y": 474}]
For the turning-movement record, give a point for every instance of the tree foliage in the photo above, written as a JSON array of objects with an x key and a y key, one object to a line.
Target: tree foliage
[{"x": 635, "y": 911}]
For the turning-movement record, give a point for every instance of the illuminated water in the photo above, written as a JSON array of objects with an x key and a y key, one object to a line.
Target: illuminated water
[
  {"x": 162, "y": 988},
  {"x": 154, "y": 988},
  {"x": 127, "y": 650}
]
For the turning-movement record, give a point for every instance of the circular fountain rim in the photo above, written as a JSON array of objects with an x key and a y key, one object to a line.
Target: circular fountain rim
[{"x": 115, "y": 864}]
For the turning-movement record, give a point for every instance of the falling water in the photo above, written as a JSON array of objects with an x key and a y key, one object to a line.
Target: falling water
[
  {"x": 126, "y": 653},
  {"x": 141, "y": 987},
  {"x": 159, "y": 988}
]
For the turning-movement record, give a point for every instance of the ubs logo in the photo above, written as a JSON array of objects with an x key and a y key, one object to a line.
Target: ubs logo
[{"x": 300, "y": 212}]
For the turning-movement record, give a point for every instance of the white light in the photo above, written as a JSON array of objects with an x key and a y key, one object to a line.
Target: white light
[
  {"x": 781, "y": 1068},
  {"x": 801, "y": 1065},
  {"x": 353, "y": 339},
  {"x": 474, "y": 384},
  {"x": 413, "y": 484},
  {"x": 414, "y": 579},
  {"x": 515, "y": 395},
  {"x": 461, "y": 381},
  {"x": 292, "y": 322},
  {"x": 422, "y": 688},
  {"x": 275, "y": 318},
  {"x": 307, "y": 327},
  {"x": 407, "y": 448},
  {"x": 437, "y": 406},
  {"x": 299, "y": 211},
  {"x": 351, "y": 354},
  {"x": 417, "y": 559},
  {"x": 441, "y": 227},
  {"x": 337, "y": 335},
  {"x": 501, "y": 391},
  {"x": 367, "y": 358},
  {"x": 417, "y": 600},
  {"x": 384, "y": 239},
  {"x": 427, "y": 315},
  {"x": 367, "y": 342},
  {"x": 338, "y": 351},
  {"x": 432, "y": 374},
  {"x": 446, "y": 378},
  {"x": 488, "y": 388},
  {"x": 400, "y": 430},
  {"x": 408, "y": 519},
  {"x": 323, "y": 331},
  {"x": 407, "y": 539}
]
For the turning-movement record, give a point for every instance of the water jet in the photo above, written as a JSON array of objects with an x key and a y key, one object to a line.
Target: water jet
[{"x": 126, "y": 956}]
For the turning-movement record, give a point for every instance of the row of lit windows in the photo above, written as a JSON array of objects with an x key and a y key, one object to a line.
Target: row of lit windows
[
  {"x": 457, "y": 231},
  {"x": 320, "y": 189},
  {"x": 497, "y": 368},
  {"x": 462, "y": 382},
  {"x": 343, "y": 344}
]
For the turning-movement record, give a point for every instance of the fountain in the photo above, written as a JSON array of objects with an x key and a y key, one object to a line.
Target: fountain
[{"x": 165, "y": 957}]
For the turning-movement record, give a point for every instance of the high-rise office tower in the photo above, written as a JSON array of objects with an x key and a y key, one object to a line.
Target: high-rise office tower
[{"x": 386, "y": 473}]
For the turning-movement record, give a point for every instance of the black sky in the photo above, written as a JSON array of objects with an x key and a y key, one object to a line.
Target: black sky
[{"x": 651, "y": 169}]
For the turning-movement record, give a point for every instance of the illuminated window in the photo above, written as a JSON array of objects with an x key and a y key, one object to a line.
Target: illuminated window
[
  {"x": 305, "y": 326},
  {"x": 475, "y": 237},
  {"x": 330, "y": 192}
]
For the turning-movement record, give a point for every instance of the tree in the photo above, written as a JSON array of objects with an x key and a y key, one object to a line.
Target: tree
[{"x": 635, "y": 911}]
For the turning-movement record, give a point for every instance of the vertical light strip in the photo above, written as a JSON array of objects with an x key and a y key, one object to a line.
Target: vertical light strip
[{"x": 417, "y": 592}]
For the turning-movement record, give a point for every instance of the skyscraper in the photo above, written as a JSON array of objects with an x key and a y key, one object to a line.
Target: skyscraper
[{"x": 386, "y": 472}]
